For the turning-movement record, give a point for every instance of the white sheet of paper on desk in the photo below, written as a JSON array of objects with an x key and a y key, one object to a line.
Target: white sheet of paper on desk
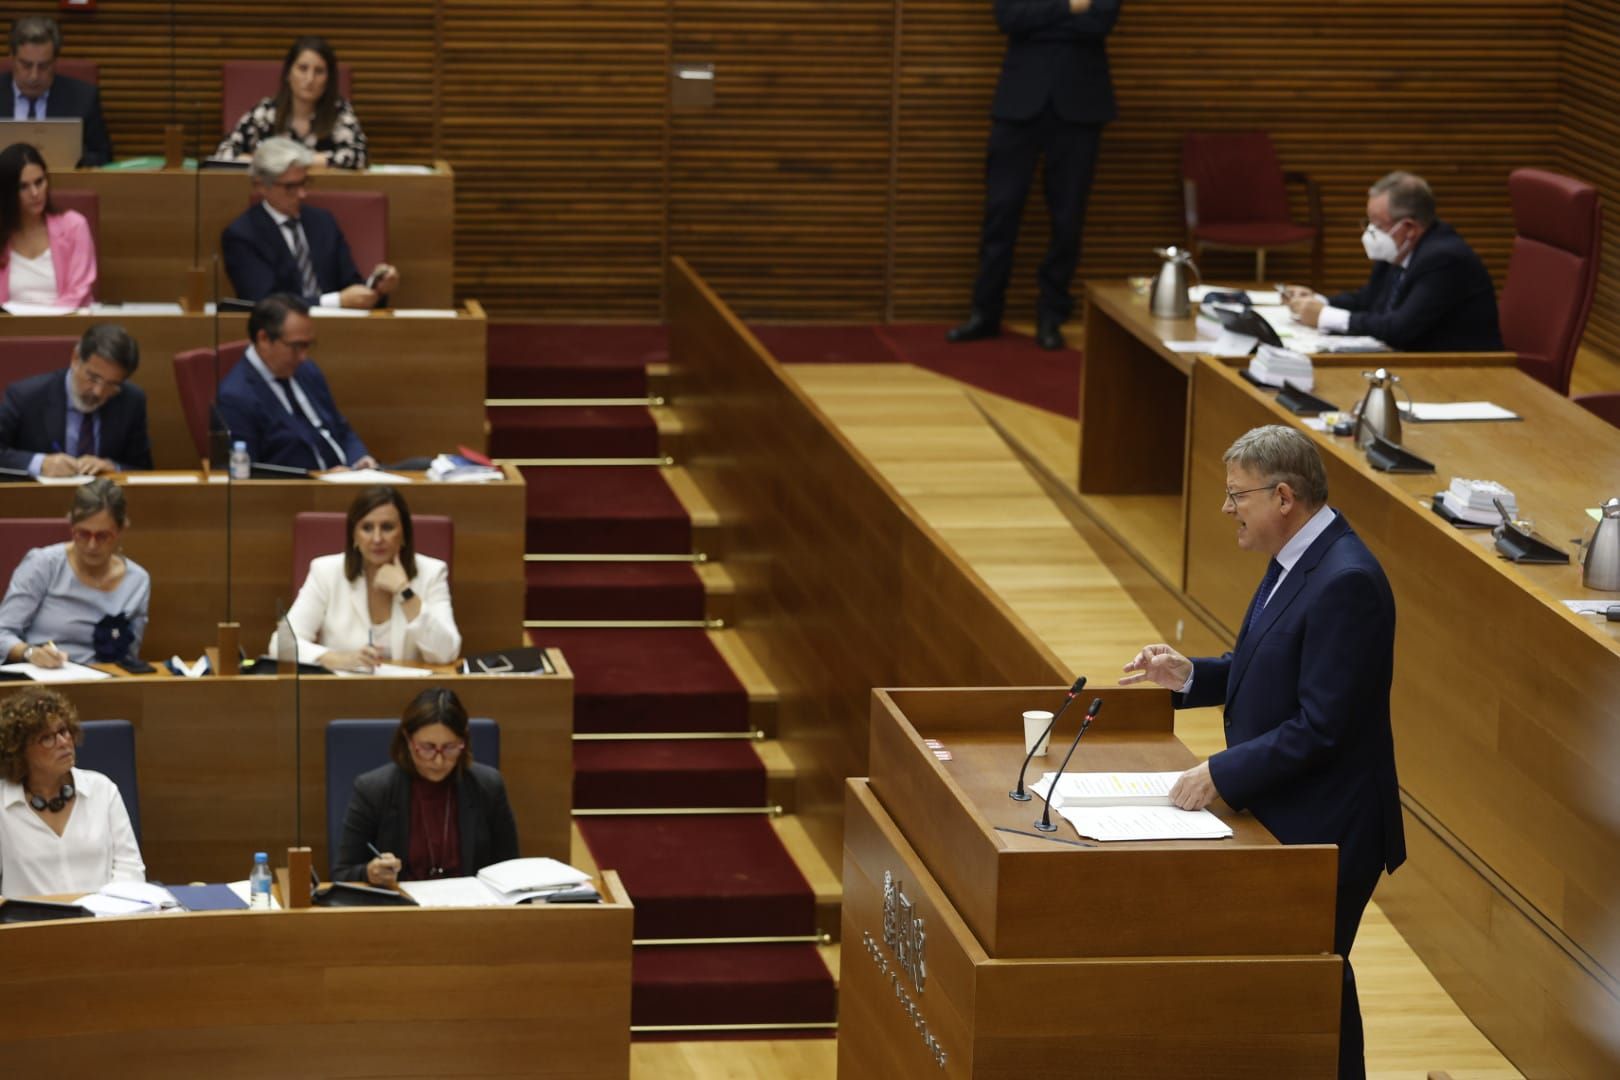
[
  {"x": 424, "y": 313},
  {"x": 363, "y": 476},
  {"x": 136, "y": 309},
  {"x": 243, "y": 893},
  {"x": 1196, "y": 346},
  {"x": 102, "y": 905},
  {"x": 1425, "y": 411},
  {"x": 400, "y": 170},
  {"x": 1110, "y": 823},
  {"x": 1591, "y": 607},
  {"x": 68, "y": 672},
  {"x": 390, "y": 671},
  {"x": 321, "y": 312},
  {"x": 1110, "y": 788},
  {"x": 452, "y": 892},
  {"x": 65, "y": 481},
  {"x": 161, "y": 478},
  {"x": 19, "y": 307}
]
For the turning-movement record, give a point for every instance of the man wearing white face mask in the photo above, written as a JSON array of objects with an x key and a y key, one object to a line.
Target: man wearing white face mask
[{"x": 1428, "y": 291}]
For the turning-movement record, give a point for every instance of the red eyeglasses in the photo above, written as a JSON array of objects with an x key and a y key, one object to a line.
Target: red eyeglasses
[{"x": 98, "y": 536}]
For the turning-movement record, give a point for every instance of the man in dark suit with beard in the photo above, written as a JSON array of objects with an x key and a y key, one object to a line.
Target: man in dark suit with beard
[
  {"x": 1053, "y": 98},
  {"x": 88, "y": 420},
  {"x": 35, "y": 91}
]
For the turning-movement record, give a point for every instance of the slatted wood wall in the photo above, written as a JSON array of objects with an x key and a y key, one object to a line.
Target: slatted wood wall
[{"x": 838, "y": 175}]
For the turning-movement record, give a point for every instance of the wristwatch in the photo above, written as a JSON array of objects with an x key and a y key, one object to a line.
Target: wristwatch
[{"x": 407, "y": 593}]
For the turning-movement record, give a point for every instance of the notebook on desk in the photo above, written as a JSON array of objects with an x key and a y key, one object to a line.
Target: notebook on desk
[{"x": 59, "y": 141}]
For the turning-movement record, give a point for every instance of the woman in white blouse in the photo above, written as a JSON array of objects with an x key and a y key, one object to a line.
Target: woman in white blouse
[
  {"x": 62, "y": 829},
  {"x": 379, "y": 600},
  {"x": 49, "y": 256}
]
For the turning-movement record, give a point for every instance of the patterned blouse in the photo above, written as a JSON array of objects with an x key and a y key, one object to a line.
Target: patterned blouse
[{"x": 346, "y": 144}]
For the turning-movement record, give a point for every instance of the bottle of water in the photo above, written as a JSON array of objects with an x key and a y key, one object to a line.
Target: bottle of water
[
  {"x": 241, "y": 464},
  {"x": 259, "y": 882}
]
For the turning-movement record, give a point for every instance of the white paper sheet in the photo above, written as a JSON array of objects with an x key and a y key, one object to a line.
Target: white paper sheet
[
  {"x": 1427, "y": 411},
  {"x": 19, "y": 307},
  {"x": 1108, "y": 823},
  {"x": 1591, "y": 607},
  {"x": 452, "y": 892},
  {"x": 339, "y": 312},
  {"x": 424, "y": 313},
  {"x": 392, "y": 671},
  {"x": 363, "y": 476},
  {"x": 65, "y": 481},
  {"x": 1110, "y": 788},
  {"x": 68, "y": 672},
  {"x": 161, "y": 478}
]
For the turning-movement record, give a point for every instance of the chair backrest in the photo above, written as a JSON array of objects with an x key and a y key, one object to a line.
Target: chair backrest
[
  {"x": 19, "y": 536},
  {"x": 361, "y": 215},
  {"x": 84, "y": 70},
  {"x": 244, "y": 82},
  {"x": 85, "y": 202},
  {"x": 1552, "y": 273},
  {"x": 109, "y": 747},
  {"x": 23, "y": 357},
  {"x": 194, "y": 377},
  {"x": 1606, "y": 406},
  {"x": 320, "y": 532},
  {"x": 1236, "y": 178},
  {"x": 357, "y": 746}
]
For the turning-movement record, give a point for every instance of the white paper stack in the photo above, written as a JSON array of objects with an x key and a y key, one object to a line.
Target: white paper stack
[
  {"x": 509, "y": 882},
  {"x": 1108, "y": 789},
  {"x": 454, "y": 469},
  {"x": 1430, "y": 411},
  {"x": 68, "y": 672},
  {"x": 1274, "y": 366},
  {"x": 362, "y": 476},
  {"x": 1471, "y": 500},
  {"x": 129, "y": 898},
  {"x": 1128, "y": 806}
]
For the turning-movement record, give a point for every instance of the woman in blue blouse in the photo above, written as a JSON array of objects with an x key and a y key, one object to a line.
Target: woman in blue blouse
[{"x": 79, "y": 600}]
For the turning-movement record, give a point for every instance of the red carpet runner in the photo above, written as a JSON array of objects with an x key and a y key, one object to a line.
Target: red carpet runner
[{"x": 708, "y": 876}]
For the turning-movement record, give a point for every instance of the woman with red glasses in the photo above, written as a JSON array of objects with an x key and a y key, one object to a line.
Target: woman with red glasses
[
  {"x": 79, "y": 600},
  {"x": 432, "y": 812}
]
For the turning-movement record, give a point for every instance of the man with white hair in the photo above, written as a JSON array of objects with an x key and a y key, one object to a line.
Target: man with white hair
[{"x": 284, "y": 246}]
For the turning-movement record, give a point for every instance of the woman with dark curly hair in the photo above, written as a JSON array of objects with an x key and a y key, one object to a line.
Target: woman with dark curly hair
[{"x": 63, "y": 830}]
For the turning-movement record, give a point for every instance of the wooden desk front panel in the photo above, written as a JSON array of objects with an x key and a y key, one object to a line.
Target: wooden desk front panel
[
  {"x": 177, "y": 532},
  {"x": 532, "y": 991},
  {"x": 408, "y": 387},
  {"x": 1503, "y": 700},
  {"x": 153, "y": 228},
  {"x": 1231, "y": 1016},
  {"x": 218, "y": 764}
]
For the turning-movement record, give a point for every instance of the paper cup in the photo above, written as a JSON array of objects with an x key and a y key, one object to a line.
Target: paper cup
[{"x": 1036, "y": 722}]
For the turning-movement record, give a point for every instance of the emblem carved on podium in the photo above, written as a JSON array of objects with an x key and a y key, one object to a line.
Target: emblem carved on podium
[{"x": 903, "y": 931}]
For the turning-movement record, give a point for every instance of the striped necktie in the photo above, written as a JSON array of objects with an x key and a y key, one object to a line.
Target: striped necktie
[{"x": 306, "y": 268}]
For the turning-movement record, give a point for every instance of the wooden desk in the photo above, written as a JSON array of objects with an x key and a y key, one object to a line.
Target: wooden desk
[
  {"x": 540, "y": 991},
  {"x": 224, "y": 772},
  {"x": 156, "y": 225},
  {"x": 1135, "y": 412},
  {"x": 407, "y": 386},
  {"x": 177, "y": 532},
  {"x": 1504, "y": 701},
  {"x": 1045, "y": 959}
]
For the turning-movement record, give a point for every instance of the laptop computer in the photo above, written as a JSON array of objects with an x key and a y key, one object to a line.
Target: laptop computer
[{"x": 60, "y": 142}]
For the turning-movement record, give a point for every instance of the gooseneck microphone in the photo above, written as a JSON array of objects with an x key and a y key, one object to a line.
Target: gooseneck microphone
[
  {"x": 1045, "y": 824},
  {"x": 1018, "y": 792}
]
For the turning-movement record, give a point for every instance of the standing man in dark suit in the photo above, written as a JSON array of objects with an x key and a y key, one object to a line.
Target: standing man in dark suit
[
  {"x": 276, "y": 400},
  {"x": 89, "y": 420},
  {"x": 283, "y": 246},
  {"x": 37, "y": 92},
  {"x": 1309, "y": 745},
  {"x": 1428, "y": 291},
  {"x": 1053, "y": 98}
]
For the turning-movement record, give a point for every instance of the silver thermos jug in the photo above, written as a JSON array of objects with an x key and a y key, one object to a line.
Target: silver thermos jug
[{"x": 1167, "y": 297}]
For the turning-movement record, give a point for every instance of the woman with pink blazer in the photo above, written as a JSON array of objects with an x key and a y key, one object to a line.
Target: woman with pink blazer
[{"x": 49, "y": 256}]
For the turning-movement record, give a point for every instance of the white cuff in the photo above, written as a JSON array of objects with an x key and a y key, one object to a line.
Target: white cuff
[
  {"x": 331, "y": 299},
  {"x": 1186, "y": 687},
  {"x": 1333, "y": 320}
]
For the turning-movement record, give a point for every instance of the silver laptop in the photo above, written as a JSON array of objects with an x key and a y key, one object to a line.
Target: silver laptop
[{"x": 59, "y": 142}]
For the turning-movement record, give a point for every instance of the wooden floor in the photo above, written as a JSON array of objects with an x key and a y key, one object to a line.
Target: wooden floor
[{"x": 937, "y": 442}]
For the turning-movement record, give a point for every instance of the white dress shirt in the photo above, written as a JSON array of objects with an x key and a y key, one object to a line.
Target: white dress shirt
[
  {"x": 97, "y": 846},
  {"x": 332, "y": 614},
  {"x": 19, "y": 104},
  {"x": 329, "y": 299}
]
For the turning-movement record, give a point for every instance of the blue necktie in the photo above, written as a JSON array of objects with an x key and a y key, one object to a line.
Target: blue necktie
[
  {"x": 33, "y": 108},
  {"x": 1261, "y": 596}
]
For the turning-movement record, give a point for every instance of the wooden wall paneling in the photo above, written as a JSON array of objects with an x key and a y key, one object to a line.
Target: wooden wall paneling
[
  {"x": 553, "y": 116},
  {"x": 1588, "y": 132},
  {"x": 780, "y": 192}
]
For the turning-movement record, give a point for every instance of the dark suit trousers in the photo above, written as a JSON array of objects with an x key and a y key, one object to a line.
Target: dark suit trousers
[
  {"x": 1070, "y": 151},
  {"x": 1361, "y": 863}
]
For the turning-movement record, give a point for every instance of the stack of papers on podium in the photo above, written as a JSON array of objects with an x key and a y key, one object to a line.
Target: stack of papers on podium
[
  {"x": 129, "y": 898},
  {"x": 1127, "y": 806},
  {"x": 509, "y": 882},
  {"x": 1471, "y": 500},
  {"x": 1274, "y": 367}
]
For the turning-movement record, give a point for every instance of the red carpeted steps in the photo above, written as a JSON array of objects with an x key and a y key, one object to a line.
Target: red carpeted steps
[{"x": 693, "y": 876}]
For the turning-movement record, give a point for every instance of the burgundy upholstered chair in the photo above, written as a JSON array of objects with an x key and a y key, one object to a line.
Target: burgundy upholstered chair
[
  {"x": 1552, "y": 274},
  {"x": 1606, "y": 406},
  {"x": 21, "y": 357},
  {"x": 321, "y": 533},
  {"x": 85, "y": 202},
  {"x": 1235, "y": 198},
  {"x": 20, "y": 535},
  {"x": 363, "y": 217},
  {"x": 194, "y": 377},
  {"x": 84, "y": 70},
  {"x": 244, "y": 82}
]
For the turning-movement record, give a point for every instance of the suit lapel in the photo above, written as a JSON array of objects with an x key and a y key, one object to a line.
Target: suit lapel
[
  {"x": 467, "y": 812},
  {"x": 272, "y": 238},
  {"x": 357, "y": 599},
  {"x": 1293, "y": 583},
  {"x": 402, "y": 814},
  {"x": 56, "y": 404}
]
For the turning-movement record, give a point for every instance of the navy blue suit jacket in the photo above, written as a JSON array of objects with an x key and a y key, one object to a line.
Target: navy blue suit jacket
[
  {"x": 254, "y": 415},
  {"x": 33, "y": 420},
  {"x": 1309, "y": 746},
  {"x": 1443, "y": 302},
  {"x": 260, "y": 263},
  {"x": 1055, "y": 56},
  {"x": 71, "y": 97}
]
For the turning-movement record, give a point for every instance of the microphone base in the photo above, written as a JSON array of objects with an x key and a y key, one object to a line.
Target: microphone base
[
  {"x": 1021, "y": 795},
  {"x": 1046, "y": 826}
]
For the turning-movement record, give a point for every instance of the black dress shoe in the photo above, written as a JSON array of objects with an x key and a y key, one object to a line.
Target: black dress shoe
[
  {"x": 1049, "y": 334},
  {"x": 976, "y": 328}
]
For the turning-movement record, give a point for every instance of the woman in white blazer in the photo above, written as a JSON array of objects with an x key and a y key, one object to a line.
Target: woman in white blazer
[{"x": 379, "y": 600}]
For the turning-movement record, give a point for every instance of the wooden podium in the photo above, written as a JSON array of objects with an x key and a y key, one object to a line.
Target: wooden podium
[{"x": 969, "y": 952}]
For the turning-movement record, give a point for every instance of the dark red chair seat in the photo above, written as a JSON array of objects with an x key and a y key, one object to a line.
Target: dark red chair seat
[
  {"x": 1552, "y": 273},
  {"x": 1606, "y": 406},
  {"x": 194, "y": 376},
  {"x": 1235, "y": 196},
  {"x": 321, "y": 533},
  {"x": 19, "y": 536}
]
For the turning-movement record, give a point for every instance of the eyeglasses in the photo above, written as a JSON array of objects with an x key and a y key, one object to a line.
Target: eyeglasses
[
  {"x": 96, "y": 536},
  {"x": 1232, "y": 497},
  {"x": 429, "y": 751},
  {"x": 112, "y": 386},
  {"x": 49, "y": 739}
]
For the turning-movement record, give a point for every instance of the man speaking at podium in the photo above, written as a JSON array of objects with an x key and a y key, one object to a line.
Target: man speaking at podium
[{"x": 1306, "y": 689}]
